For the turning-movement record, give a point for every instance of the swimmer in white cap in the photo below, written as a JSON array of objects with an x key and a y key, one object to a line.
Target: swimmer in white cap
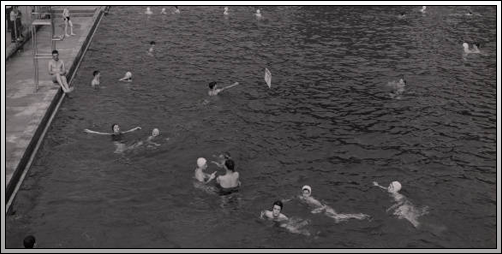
[
  {"x": 148, "y": 11},
  {"x": 199, "y": 171},
  {"x": 127, "y": 77},
  {"x": 423, "y": 9},
  {"x": 226, "y": 11},
  {"x": 258, "y": 14},
  {"x": 403, "y": 208},
  {"x": 163, "y": 11}
]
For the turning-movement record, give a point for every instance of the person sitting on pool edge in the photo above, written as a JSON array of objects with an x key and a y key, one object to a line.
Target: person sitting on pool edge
[
  {"x": 199, "y": 171},
  {"x": 215, "y": 91},
  {"x": 229, "y": 182},
  {"x": 275, "y": 214}
]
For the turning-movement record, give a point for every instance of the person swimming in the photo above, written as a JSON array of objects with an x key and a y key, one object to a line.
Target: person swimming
[
  {"x": 127, "y": 77},
  {"x": 117, "y": 137},
  {"x": 475, "y": 49},
  {"x": 177, "y": 11},
  {"x": 95, "y": 81},
  {"x": 229, "y": 182},
  {"x": 148, "y": 11},
  {"x": 398, "y": 88},
  {"x": 402, "y": 15},
  {"x": 258, "y": 14},
  {"x": 152, "y": 48},
  {"x": 275, "y": 214},
  {"x": 200, "y": 175},
  {"x": 403, "y": 208},
  {"x": 307, "y": 198},
  {"x": 213, "y": 90},
  {"x": 293, "y": 225},
  {"x": 423, "y": 9},
  {"x": 163, "y": 11},
  {"x": 225, "y": 12}
]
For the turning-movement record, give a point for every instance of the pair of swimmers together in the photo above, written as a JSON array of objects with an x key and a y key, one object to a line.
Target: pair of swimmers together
[
  {"x": 228, "y": 182},
  {"x": 97, "y": 76}
]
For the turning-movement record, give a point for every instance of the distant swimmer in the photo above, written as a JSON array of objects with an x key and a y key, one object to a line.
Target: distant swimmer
[
  {"x": 200, "y": 175},
  {"x": 258, "y": 14},
  {"x": 403, "y": 208},
  {"x": 148, "y": 11},
  {"x": 127, "y": 77},
  {"x": 213, "y": 90},
  {"x": 152, "y": 48},
  {"x": 117, "y": 137},
  {"x": 225, "y": 12},
  {"x": 222, "y": 158},
  {"x": 155, "y": 134},
  {"x": 177, "y": 10},
  {"x": 307, "y": 198},
  {"x": 163, "y": 11},
  {"x": 95, "y": 80},
  {"x": 469, "y": 13},
  {"x": 402, "y": 15},
  {"x": 275, "y": 214},
  {"x": 423, "y": 9},
  {"x": 475, "y": 49},
  {"x": 397, "y": 88}
]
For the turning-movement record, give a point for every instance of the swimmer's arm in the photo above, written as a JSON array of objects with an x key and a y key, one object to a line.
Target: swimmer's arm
[
  {"x": 211, "y": 177},
  {"x": 97, "y": 132},
  {"x": 234, "y": 84},
  {"x": 377, "y": 185},
  {"x": 133, "y": 129},
  {"x": 217, "y": 164}
]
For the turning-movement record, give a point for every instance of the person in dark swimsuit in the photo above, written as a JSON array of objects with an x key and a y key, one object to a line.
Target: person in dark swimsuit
[
  {"x": 117, "y": 137},
  {"x": 229, "y": 182}
]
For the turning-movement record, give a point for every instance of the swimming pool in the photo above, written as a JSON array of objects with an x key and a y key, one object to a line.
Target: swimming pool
[{"x": 327, "y": 121}]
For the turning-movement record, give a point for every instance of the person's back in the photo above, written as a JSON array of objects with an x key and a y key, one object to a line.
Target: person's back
[{"x": 231, "y": 178}]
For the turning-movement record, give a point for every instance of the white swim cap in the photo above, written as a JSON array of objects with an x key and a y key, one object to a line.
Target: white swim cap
[
  {"x": 201, "y": 162},
  {"x": 306, "y": 187},
  {"x": 128, "y": 74},
  {"x": 396, "y": 186},
  {"x": 155, "y": 132}
]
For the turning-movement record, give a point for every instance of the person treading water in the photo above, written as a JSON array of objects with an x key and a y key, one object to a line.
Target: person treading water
[
  {"x": 163, "y": 11},
  {"x": 148, "y": 11},
  {"x": 307, "y": 198},
  {"x": 397, "y": 88},
  {"x": 294, "y": 225},
  {"x": 225, "y": 12},
  {"x": 200, "y": 175},
  {"x": 117, "y": 137},
  {"x": 403, "y": 208},
  {"x": 229, "y": 182},
  {"x": 127, "y": 77},
  {"x": 213, "y": 90}
]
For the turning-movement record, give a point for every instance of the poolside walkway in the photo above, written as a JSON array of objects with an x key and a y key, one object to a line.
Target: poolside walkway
[{"x": 26, "y": 111}]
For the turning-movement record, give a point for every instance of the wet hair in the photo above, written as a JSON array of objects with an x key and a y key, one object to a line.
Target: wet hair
[
  {"x": 212, "y": 84},
  {"x": 55, "y": 52},
  {"x": 278, "y": 203},
  {"x": 29, "y": 242},
  {"x": 94, "y": 73},
  {"x": 113, "y": 125},
  {"x": 152, "y": 43},
  {"x": 230, "y": 165}
]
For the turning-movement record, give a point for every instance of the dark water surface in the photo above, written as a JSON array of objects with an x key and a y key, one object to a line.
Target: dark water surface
[{"x": 328, "y": 121}]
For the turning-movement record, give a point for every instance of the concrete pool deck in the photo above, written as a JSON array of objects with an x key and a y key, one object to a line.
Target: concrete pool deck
[{"x": 29, "y": 112}]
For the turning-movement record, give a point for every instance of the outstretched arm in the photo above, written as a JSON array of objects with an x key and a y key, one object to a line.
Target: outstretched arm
[
  {"x": 211, "y": 177},
  {"x": 234, "y": 84},
  {"x": 377, "y": 185},
  {"x": 133, "y": 129},
  {"x": 97, "y": 132}
]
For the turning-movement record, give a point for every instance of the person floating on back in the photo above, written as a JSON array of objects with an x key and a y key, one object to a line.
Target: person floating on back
[
  {"x": 213, "y": 90},
  {"x": 95, "y": 80},
  {"x": 127, "y": 77},
  {"x": 58, "y": 72},
  {"x": 29, "y": 242}
]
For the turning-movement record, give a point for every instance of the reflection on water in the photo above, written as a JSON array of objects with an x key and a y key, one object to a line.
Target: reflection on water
[{"x": 327, "y": 120}]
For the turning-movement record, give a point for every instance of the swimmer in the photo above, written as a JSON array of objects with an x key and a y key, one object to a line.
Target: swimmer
[
  {"x": 397, "y": 87},
  {"x": 423, "y": 9},
  {"x": 469, "y": 13},
  {"x": 177, "y": 11},
  {"x": 29, "y": 242},
  {"x": 154, "y": 135},
  {"x": 307, "y": 198},
  {"x": 403, "y": 207},
  {"x": 115, "y": 129},
  {"x": 215, "y": 91},
  {"x": 95, "y": 80},
  {"x": 127, "y": 77},
  {"x": 117, "y": 137},
  {"x": 222, "y": 159},
  {"x": 231, "y": 178},
  {"x": 258, "y": 14},
  {"x": 475, "y": 49},
  {"x": 226, "y": 11},
  {"x": 199, "y": 171},
  {"x": 148, "y": 11},
  {"x": 163, "y": 11},
  {"x": 152, "y": 48},
  {"x": 275, "y": 214},
  {"x": 402, "y": 15}
]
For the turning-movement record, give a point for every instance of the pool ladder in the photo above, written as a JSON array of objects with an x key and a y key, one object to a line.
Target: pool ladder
[{"x": 39, "y": 21}]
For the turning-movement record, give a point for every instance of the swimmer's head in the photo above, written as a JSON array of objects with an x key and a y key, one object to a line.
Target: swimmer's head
[
  {"x": 402, "y": 81},
  {"x": 115, "y": 128},
  {"x": 212, "y": 85},
  {"x": 128, "y": 74},
  {"x": 152, "y": 43},
  {"x": 465, "y": 45},
  {"x": 201, "y": 163},
  {"x": 95, "y": 73},
  {"x": 226, "y": 9},
  {"x": 155, "y": 132},
  {"x": 258, "y": 11},
  {"x": 306, "y": 191},
  {"x": 230, "y": 165},
  {"x": 394, "y": 187},
  {"x": 423, "y": 8},
  {"x": 29, "y": 242},
  {"x": 277, "y": 208}
]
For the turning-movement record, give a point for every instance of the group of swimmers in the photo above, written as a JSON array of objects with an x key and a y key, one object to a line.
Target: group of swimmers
[{"x": 177, "y": 11}]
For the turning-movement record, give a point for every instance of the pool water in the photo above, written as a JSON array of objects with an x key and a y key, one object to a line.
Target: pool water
[{"x": 327, "y": 121}]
